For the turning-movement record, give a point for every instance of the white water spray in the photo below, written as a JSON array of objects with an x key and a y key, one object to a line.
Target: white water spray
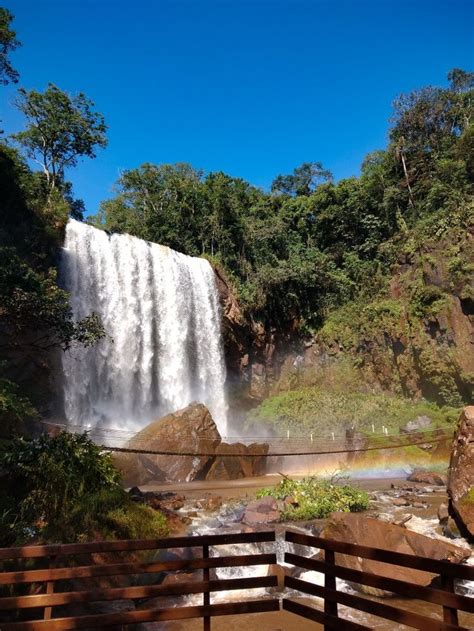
[{"x": 161, "y": 312}]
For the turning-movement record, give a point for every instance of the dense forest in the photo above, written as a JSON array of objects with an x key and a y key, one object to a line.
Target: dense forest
[
  {"x": 310, "y": 244},
  {"x": 311, "y": 252}
]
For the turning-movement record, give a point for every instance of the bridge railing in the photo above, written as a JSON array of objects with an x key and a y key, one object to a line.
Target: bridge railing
[
  {"x": 42, "y": 587},
  {"x": 49, "y": 571},
  {"x": 329, "y": 566}
]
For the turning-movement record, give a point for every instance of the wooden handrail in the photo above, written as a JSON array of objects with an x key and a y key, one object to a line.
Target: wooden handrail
[
  {"x": 72, "y": 555},
  {"x": 329, "y": 622},
  {"x": 57, "y": 568},
  {"x": 130, "y": 545},
  {"x": 445, "y": 597},
  {"x": 99, "y": 621},
  {"x": 121, "y": 569},
  {"x": 445, "y": 568},
  {"x": 395, "y": 585},
  {"x": 388, "y": 612},
  {"x": 129, "y": 593}
]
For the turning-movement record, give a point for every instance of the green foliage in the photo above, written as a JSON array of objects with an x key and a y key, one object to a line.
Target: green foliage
[
  {"x": 8, "y": 43},
  {"x": 321, "y": 411},
  {"x": 61, "y": 129},
  {"x": 33, "y": 303},
  {"x": 303, "y": 180},
  {"x": 468, "y": 498},
  {"x": 108, "y": 513},
  {"x": 426, "y": 300},
  {"x": 66, "y": 488},
  {"x": 48, "y": 473},
  {"x": 14, "y": 408},
  {"x": 316, "y": 498},
  {"x": 136, "y": 521},
  {"x": 311, "y": 245},
  {"x": 35, "y": 315}
]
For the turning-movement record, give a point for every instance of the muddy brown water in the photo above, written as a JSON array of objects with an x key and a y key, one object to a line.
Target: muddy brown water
[{"x": 285, "y": 621}]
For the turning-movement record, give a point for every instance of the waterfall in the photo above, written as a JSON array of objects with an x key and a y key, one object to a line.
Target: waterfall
[{"x": 163, "y": 349}]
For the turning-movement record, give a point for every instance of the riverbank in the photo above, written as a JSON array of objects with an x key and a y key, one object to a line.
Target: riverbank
[{"x": 247, "y": 486}]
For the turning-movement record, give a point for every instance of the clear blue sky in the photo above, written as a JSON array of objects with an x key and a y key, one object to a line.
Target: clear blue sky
[{"x": 252, "y": 88}]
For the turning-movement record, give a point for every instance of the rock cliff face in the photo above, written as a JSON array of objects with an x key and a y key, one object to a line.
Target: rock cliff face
[
  {"x": 255, "y": 353},
  {"x": 416, "y": 340},
  {"x": 461, "y": 474}
]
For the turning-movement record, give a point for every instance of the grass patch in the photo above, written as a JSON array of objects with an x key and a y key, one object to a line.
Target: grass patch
[
  {"x": 315, "y": 409},
  {"x": 316, "y": 498}
]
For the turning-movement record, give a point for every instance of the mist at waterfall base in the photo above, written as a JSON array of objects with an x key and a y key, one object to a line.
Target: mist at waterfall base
[{"x": 163, "y": 350}]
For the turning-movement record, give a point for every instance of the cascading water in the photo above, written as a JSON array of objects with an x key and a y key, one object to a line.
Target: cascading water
[{"x": 160, "y": 310}]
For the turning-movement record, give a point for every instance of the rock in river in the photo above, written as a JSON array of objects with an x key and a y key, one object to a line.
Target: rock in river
[
  {"x": 250, "y": 461},
  {"x": 190, "y": 430},
  {"x": 365, "y": 531}
]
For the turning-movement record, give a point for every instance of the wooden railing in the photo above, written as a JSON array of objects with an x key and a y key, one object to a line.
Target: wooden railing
[
  {"x": 54, "y": 578},
  {"x": 445, "y": 597},
  {"x": 39, "y": 584}
]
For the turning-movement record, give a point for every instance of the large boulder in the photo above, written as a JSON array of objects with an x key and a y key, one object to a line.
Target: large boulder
[
  {"x": 190, "y": 430},
  {"x": 461, "y": 474},
  {"x": 433, "y": 478},
  {"x": 418, "y": 424},
  {"x": 366, "y": 531},
  {"x": 249, "y": 463}
]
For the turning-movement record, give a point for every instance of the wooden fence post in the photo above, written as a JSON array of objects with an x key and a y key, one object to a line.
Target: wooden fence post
[
  {"x": 450, "y": 615},
  {"x": 330, "y": 607},
  {"x": 49, "y": 589},
  {"x": 206, "y": 595}
]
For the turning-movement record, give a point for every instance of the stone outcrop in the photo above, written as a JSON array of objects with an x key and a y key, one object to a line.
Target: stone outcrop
[
  {"x": 433, "y": 478},
  {"x": 249, "y": 464},
  {"x": 191, "y": 431},
  {"x": 353, "y": 528},
  {"x": 420, "y": 423},
  {"x": 262, "y": 511},
  {"x": 461, "y": 474}
]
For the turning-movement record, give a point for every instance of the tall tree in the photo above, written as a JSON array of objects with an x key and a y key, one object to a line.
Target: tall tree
[
  {"x": 8, "y": 43},
  {"x": 303, "y": 180},
  {"x": 61, "y": 129}
]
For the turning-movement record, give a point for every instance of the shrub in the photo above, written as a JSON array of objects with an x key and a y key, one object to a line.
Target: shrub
[
  {"x": 316, "y": 498},
  {"x": 65, "y": 488}
]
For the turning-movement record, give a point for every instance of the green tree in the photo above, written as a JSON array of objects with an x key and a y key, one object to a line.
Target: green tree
[
  {"x": 460, "y": 80},
  {"x": 35, "y": 312},
  {"x": 8, "y": 43},
  {"x": 303, "y": 180},
  {"x": 61, "y": 130},
  {"x": 227, "y": 201},
  {"x": 159, "y": 203}
]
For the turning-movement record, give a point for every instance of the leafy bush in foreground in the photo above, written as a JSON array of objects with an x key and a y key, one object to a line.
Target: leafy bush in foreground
[
  {"x": 66, "y": 488},
  {"x": 316, "y": 498}
]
